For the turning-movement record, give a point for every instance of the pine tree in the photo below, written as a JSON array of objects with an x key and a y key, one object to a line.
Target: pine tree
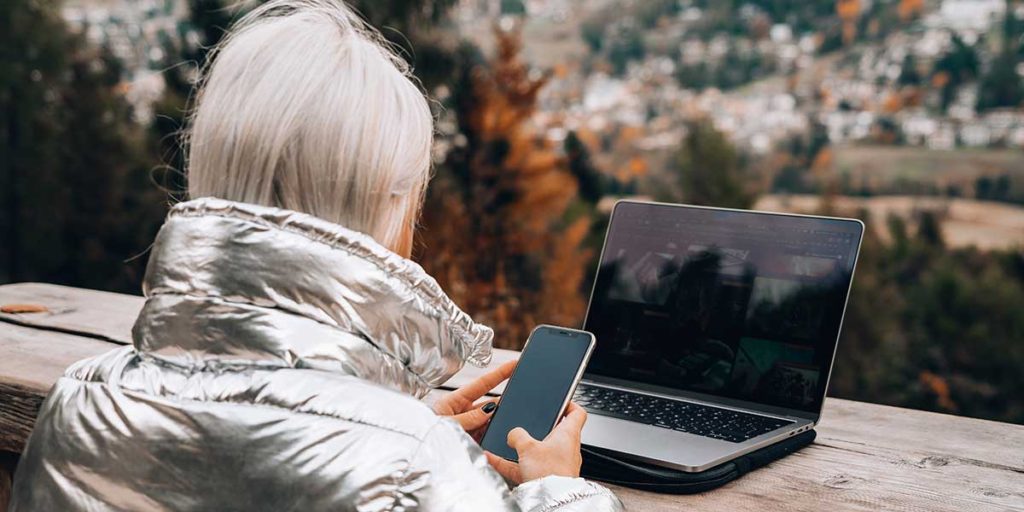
[
  {"x": 77, "y": 198},
  {"x": 956, "y": 67},
  {"x": 33, "y": 42},
  {"x": 494, "y": 228},
  {"x": 908, "y": 71},
  {"x": 708, "y": 168},
  {"x": 591, "y": 181},
  {"x": 1002, "y": 85}
]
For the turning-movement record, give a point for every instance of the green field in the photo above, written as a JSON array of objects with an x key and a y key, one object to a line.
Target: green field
[{"x": 883, "y": 167}]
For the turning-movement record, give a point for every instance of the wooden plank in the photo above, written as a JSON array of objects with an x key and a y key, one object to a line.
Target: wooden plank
[
  {"x": 853, "y": 425},
  {"x": 31, "y": 361},
  {"x": 824, "y": 478},
  {"x": 19, "y": 407},
  {"x": 832, "y": 475},
  {"x": 867, "y": 457},
  {"x": 104, "y": 315},
  {"x": 34, "y": 358},
  {"x": 838, "y": 474}
]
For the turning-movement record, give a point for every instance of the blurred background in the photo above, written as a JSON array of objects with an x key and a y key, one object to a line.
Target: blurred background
[{"x": 908, "y": 114}]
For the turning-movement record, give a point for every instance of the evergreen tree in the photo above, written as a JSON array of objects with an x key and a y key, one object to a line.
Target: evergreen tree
[
  {"x": 956, "y": 67},
  {"x": 514, "y": 7},
  {"x": 592, "y": 30},
  {"x": 627, "y": 46},
  {"x": 35, "y": 53},
  {"x": 932, "y": 327},
  {"x": 929, "y": 229},
  {"x": 871, "y": 357},
  {"x": 908, "y": 72},
  {"x": 1002, "y": 85},
  {"x": 77, "y": 198},
  {"x": 708, "y": 168},
  {"x": 590, "y": 179}
]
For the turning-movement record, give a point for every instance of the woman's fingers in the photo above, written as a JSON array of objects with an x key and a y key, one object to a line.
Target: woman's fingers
[
  {"x": 573, "y": 421},
  {"x": 486, "y": 382},
  {"x": 460, "y": 402},
  {"x": 476, "y": 417},
  {"x": 507, "y": 469}
]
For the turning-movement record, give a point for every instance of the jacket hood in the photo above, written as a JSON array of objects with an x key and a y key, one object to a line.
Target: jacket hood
[{"x": 233, "y": 284}]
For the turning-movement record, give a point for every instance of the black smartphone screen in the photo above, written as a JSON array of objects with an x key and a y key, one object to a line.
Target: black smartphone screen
[{"x": 544, "y": 377}]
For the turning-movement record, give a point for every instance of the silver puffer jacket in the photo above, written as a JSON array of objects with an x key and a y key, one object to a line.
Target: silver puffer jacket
[{"x": 277, "y": 365}]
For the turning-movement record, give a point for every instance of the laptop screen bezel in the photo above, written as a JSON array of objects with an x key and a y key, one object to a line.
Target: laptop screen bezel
[{"x": 716, "y": 399}]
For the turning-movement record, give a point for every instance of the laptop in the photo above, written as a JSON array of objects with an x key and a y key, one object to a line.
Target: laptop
[{"x": 716, "y": 330}]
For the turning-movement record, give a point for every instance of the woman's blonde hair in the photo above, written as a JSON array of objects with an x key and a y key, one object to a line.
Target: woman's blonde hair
[{"x": 305, "y": 107}]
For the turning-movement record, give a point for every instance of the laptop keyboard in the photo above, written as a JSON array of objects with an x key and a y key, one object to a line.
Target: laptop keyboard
[{"x": 702, "y": 420}]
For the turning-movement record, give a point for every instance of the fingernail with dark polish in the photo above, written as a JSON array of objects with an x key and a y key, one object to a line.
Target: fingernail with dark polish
[{"x": 489, "y": 407}]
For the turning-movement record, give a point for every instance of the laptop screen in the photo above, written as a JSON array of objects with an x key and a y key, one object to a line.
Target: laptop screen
[{"x": 737, "y": 304}]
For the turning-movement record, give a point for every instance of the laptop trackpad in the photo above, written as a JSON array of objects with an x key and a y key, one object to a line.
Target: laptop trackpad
[{"x": 687, "y": 452}]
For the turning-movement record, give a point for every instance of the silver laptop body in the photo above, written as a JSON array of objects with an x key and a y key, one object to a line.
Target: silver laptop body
[{"x": 734, "y": 314}]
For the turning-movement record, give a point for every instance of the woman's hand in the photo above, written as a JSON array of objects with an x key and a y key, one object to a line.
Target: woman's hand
[
  {"x": 462, "y": 404},
  {"x": 558, "y": 454}
]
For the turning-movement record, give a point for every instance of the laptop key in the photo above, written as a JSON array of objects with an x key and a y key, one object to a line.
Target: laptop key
[{"x": 698, "y": 419}]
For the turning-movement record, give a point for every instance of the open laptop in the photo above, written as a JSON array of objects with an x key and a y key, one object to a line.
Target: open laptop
[{"x": 716, "y": 330}]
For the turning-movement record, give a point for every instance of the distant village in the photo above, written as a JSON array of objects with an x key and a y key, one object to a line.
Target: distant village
[
  {"x": 628, "y": 89},
  {"x": 914, "y": 86},
  {"x": 847, "y": 94}
]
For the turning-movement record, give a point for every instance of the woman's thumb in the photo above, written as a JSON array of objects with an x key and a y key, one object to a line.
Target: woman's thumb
[{"x": 519, "y": 439}]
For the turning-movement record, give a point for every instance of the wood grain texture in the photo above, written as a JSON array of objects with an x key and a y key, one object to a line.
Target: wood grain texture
[
  {"x": 18, "y": 409},
  {"x": 31, "y": 361},
  {"x": 866, "y": 457},
  {"x": 34, "y": 358},
  {"x": 103, "y": 315}
]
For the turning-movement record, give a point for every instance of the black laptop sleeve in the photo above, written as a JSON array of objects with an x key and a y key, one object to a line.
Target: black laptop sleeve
[{"x": 607, "y": 467}]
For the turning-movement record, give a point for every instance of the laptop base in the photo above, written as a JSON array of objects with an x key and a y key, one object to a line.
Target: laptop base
[{"x": 612, "y": 468}]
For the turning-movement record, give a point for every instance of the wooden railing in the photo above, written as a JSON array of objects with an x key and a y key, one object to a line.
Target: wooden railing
[{"x": 866, "y": 457}]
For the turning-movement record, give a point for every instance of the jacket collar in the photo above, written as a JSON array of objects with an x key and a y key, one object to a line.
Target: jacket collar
[{"x": 237, "y": 284}]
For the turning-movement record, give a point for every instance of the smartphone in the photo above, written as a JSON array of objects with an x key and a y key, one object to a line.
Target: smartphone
[{"x": 550, "y": 366}]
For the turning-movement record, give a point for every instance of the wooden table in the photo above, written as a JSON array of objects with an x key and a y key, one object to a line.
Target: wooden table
[{"x": 866, "y": 457}]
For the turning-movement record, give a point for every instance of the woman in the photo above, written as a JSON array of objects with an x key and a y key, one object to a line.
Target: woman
[{"x": 279, "y": 358}]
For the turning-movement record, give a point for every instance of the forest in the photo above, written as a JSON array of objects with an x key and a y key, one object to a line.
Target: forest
[{"x": 512, "y": 222}]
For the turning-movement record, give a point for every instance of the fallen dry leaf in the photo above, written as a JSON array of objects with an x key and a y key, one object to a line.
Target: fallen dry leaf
[{"x": 23, "y": 308}]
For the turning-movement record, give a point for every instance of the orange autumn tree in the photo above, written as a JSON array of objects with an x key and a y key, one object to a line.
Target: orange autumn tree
[
  {"x": 849, "y": 13},
  {"x": 494, "y": 229}
]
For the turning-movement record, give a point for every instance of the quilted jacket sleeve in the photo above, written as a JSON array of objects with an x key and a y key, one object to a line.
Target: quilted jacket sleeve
[{"x": 450, "y": 472}]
